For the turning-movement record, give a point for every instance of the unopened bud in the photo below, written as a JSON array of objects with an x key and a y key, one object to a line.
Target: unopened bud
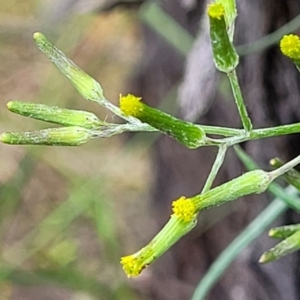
[
  {"x": 253, "y": 182},
  {"x": 57, "y": 115},
  {"x": 287, "y": 246},
  {"x": 63, "y": 136},
  {"x": 88, "y": 87}
]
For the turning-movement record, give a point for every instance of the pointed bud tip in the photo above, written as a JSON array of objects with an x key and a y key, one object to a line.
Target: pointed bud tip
[
  {"x": 262, "y": 259},
  {"x": 10, "y": 104},
  {"x": 5, "y": 137},
  {"x": 271, "y": 232},
  {"x": 267, "y": 257},
  {"x": 38, "y": 35}
]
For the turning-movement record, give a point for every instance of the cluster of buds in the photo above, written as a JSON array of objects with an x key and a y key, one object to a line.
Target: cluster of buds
[{"x": 78, "y": 127}]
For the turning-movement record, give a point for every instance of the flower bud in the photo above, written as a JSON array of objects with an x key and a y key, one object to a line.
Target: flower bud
[
  {"x": 225, "y": 56},
  {"x": 57, "y": 115},
  {"x": 88, "y": 87},
  {"x": 63, "y": 136},
  {"x": 185, "y": 133},
  {"x": 253, "y": 182},
  {"x": 290, "y": 47},
  {"x": 288, "y": 245},
  {"x": 283, "y": 232}
]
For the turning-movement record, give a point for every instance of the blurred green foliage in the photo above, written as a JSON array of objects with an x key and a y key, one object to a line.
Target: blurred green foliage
[{"x": 63, "y": 222}]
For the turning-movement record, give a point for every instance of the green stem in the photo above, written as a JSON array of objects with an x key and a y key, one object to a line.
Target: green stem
[
  {"x": 292, "y": 176},
  {"x": 215, "y": 168},
  {"x": 275, "y": 131},
  {"x": 234, "y": 135},
  {"x": 225, "y": 131},
  {"x": 286, "y": 167},
  {"x": 274, "y": 188},
  {"x": 239, "y": 100},
  {"x": 242, "y": 136},
  {"x": 270, "y": 39},
  {"x": 112, "y": 129}
]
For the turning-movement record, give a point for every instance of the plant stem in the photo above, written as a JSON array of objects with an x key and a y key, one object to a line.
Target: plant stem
[
  {"x": 275, "y": 131},
  {"x": 247, "y": 124},
  {"x": 274, "y": 188},
  {"x": 242, "y": 136},
  {"x": 215, "y": 168},
  {"x": 225, "y": 131},
  {"x": 286, "y": 167}
]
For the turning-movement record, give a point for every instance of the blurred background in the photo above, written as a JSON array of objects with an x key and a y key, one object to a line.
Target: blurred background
[{"x": 68, "y": 214}]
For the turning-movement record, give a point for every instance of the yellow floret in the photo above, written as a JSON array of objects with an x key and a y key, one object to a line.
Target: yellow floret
[
  {"x": 131, "y": 265},
  {"x": 135, "y": 263},
  {"x": 184, "y": 209},
  {"x": 290, "y": 46},
  {"x": 131, "y": 105},
  {"x": 216, "y": 10}
]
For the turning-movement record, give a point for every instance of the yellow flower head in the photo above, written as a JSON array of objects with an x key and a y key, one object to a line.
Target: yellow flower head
[
  {"x": 184, "y": 209},
  {"x": 216, "y": 10},
  {"x": 131, "y": 265},
  {"x": 131, "y": 105},
  {"x": 290, "y": 46},
  {"x": 134, "y": 264}
]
